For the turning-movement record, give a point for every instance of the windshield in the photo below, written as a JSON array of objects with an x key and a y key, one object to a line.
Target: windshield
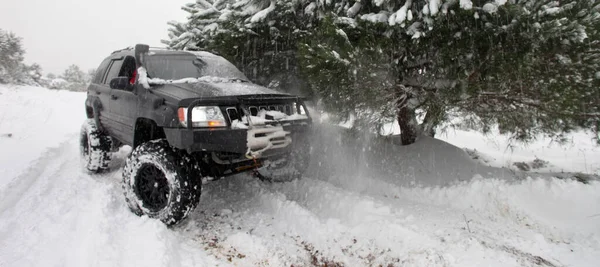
[{"x": 175, "y": 67}]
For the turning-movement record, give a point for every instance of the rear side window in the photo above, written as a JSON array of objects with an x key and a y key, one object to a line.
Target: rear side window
[
  {"x": 101, "y": 71},
  {"x": 113, "y": 72},
  {"x": 128, "y": 67}
]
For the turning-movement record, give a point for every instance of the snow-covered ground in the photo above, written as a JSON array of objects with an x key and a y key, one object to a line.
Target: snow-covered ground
[
  {"x": 365, "y": 202},
  {"x": 579, "y": 153}
]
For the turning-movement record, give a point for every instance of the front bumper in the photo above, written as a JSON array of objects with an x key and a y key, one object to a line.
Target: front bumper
[{"x": 225, "y": 139}]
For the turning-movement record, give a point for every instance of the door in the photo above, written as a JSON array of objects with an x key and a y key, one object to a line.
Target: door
[
  {"x": 123, "y": 104},
  {"x": 100, "y": 94},
  {"x": 110, "y": 123}
]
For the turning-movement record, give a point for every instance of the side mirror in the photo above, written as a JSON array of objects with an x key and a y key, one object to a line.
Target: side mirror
[{"x": 121, "y": 83}]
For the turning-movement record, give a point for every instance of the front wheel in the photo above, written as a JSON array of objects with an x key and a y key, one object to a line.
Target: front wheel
[{"x": 161, "y": 182}]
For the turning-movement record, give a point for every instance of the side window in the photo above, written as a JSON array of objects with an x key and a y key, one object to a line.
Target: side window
[
  {"x": 101, "y": 71},
  {"x": 113, "y": 72},
  {"x": 128, "y": 68}
]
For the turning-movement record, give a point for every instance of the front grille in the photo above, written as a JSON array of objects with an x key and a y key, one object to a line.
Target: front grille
[
  {"x": 236, "y": 114},
  {"x": 233, "y": 114}
]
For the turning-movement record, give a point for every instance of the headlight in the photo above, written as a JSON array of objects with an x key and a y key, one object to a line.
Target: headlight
[{"x": 203, "y": 117}]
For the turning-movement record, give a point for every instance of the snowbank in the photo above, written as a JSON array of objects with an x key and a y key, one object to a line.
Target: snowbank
[
  {"x": 579, "y": 154},
  {"x": 342, "y": 154}
]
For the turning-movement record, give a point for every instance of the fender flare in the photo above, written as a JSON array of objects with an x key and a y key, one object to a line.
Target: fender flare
[{"x": 96, "y": 108}]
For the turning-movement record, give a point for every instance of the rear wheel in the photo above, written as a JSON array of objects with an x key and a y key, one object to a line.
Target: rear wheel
[
  {"x": 95, "y": 147},
  {"x": 161, "y": 182}
]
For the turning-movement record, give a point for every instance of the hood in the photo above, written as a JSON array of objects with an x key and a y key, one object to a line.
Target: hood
[{"x": 179, "y": 91}]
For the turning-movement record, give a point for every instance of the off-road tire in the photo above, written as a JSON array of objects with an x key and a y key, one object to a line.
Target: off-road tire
[
  {"x": 95, "y": 147},
  {"x": 176, "y": 191}
]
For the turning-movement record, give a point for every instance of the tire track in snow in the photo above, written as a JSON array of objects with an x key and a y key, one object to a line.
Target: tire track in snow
[
  {"x": 240, "y": 210},
  {"x": 64, "y": 217},
  {"x": 386, "y": 228},
  {"x": 27, "y": 194},
  {"x": 329, "y": 218},
  {"x": 15, "y": 190}
]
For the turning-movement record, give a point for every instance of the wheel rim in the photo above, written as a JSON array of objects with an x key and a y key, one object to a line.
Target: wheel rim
[{"x": 152, "y": 187}]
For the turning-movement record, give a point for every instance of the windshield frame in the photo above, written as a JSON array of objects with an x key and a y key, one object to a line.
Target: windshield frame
[{"x": 214, "y": 67}]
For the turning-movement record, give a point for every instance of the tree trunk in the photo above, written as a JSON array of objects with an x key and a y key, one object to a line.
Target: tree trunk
[
  {"x": 428, "y": 128},
  {"x": 406, "y": 120},
  {"x": 432, "y": 119}
]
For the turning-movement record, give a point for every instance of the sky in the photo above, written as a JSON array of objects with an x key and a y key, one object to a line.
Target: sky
[{"x": 58, "y": 33}]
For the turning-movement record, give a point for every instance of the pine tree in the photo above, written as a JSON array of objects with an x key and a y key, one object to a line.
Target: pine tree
[
  {"x": 91, "y": 73},
  {"x": 35, "y": 72},
  {"x": 11, "y": 58},
  {"x": 206, "y": 19},
  {"x": 12, "y": 68},
  {"x": 76, "y": 78}
]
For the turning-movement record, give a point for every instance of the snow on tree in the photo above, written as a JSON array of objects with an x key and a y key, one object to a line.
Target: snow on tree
[
  {"x": 206, "y": 19},
  {"x": 75, "y": 78},
  {"x": 35, "y": 72},
  {"x": 11, "y": 57},
  {"x": 12, "y": 68},
  {"x": 91, "y": 73},
  {"x": 58, "y": 84},
  {"x": 527, "y": 66}
]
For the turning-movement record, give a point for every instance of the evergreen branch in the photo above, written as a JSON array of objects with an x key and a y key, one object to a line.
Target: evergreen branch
[
  {"x": 424, "y": 83},
  {"x": 537, "y": 104}
]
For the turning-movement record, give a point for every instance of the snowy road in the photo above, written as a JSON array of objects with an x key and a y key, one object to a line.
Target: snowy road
[{"x": 54, "y": 214}]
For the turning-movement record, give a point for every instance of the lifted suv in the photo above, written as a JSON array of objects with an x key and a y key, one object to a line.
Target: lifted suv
[{"x": 188, "y": 116}]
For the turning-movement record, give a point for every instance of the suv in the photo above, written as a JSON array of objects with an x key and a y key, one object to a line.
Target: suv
[{"x": 189, "y": 117}]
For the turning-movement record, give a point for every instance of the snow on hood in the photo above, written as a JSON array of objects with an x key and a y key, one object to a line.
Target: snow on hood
[
  {"x": 146, "y": 82},
  {"x": 246, "y": 88},
  {"x": 205, "y": 86}
]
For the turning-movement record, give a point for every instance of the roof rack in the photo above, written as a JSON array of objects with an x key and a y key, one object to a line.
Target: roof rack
[
  {"x": 160, "y": 48},
  {"x": 124, "y": 49},
  {"x": 131, "y": 48}
]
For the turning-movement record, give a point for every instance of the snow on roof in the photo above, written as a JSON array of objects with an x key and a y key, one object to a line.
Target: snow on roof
[{"x": 202, "y": 54}]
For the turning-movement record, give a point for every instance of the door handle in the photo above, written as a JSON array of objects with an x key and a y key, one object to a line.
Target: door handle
[{"x": 113, "y": 97}]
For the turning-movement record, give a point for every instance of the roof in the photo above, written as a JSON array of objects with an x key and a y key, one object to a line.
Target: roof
[{"x": 164, "y": 51}]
